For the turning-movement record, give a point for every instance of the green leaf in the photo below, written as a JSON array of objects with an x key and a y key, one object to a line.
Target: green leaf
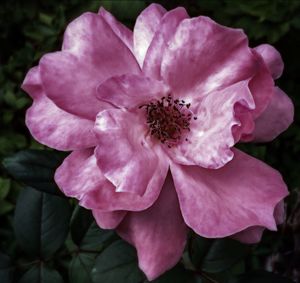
[
  {"x": 5, "y": 207},
  {"x": 41, "y": 274},
  {"x": 177, "y": 275},
  {"x": 41, "y": 222},
  {"x": 117, "y": 263},
  {"x": 80, "y": 268},
  {"x": 218, "y": 255},
  {"x": 261, "y": 277},
  {"x": 4, "y": 188},
  {"x": 80, "y": 223},
  {"x": 35, "y": 168},
  {"x": 5, "y": 269}
]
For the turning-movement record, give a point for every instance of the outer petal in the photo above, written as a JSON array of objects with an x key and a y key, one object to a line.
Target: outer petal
[
  {"x": 204, "y": 56},
  {"x": 161, "y": 40},
  {"x": 123, "y": 151},
  {"x": 158, "y": 233},
  {"x": 52, "y": 126},
  {"x": 272, "y": 58},
  {"x": 275, "y": 119},
  {"x": 80, "y": 177},
  {"x": 92, "y": 53},
  {"x": 131, "y": 91},
  {"x": 254, "y": 234},
  {"x": 210, "y": 138},
  {"x": 108, "y": 220},
  {"x": 145, "y": 27},
  {"x": 119, "y": 29},
  {"x": 223, "y": 202}
]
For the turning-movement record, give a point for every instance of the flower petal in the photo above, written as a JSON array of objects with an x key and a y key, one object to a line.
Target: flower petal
[
  {"x": 80, "y": 177},
  {"x": 272, "y": 59},
  {"x": 158, "y": 233},
  {"x": 123, "y": 151},
  {"x": 275, "y": 119},
  {"x": 204, "y": 56},
  {"x": 145, "y": 27},
  {"x": 210, "y": 138},
  {"x": 131, "y": 91},
  {"x": 254, "y": 234},
  {"x": 92, "y": 52},
  {"x": 223, "y": 202},
  {"x": 52, "y": 126},
  {"x": 108, "y": 220},
  {"x": 161, "y": 39},
  {"x": 123, "y": 32}
]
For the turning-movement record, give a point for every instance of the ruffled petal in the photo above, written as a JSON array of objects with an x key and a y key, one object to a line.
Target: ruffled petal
[
  {"x": 254, "y": 234},
  {"x": 275, "y": 119},
  {"x": 223, "y": 202},
  {"x": 131, "y": 91},
  {"x": 52, "y": 126},
  {"x": 123, "y": 32},
  {"x": 80, "y": 177},
  {"x": 158, "y": 233},
  {"x": 272, "y": 59},
  {"x": 161, "y": 39},
  {"x": 108, "y": 220},
  {"x": 145, "y": 27},
  {"x": 210, "y": 138},
  {"x": 92, "y": 52},
  {"x": 204, "y": 56},
  {"x": 123, "y": 151}
]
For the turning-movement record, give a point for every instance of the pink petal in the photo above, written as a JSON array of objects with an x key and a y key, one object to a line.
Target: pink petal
[
  {"x": 275, "y": 119},
  {"x": 158, "y": 233},
  {"x": 272, "y": 58},
  {"x": 254, "y": 234},
  {"x": 108, "y": 220},
  {"x": 123, "y": 151},
  {"x": 52, "y": 126},
  {"x": 131, "y": 91},
  {"x": 161, "y": 40},
  {"x": 92, "y": 52},
  {"x": 223, "y": 202},
  {"x": 145, "y": 27},
  {"x": 204, "y": 56},
  {"x": 124, "y": 33},
  {"x": 80, "y": 177},
  {"x": 210, "y": 138}
]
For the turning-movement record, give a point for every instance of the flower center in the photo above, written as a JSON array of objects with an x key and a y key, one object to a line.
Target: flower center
[{"x": 168, "y": 119}]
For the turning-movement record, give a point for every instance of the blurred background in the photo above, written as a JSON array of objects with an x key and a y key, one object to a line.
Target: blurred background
[{"x": 29, "y": 29}]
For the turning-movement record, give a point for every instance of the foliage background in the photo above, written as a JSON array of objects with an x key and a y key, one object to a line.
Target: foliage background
[{"x": 29, "y": 29}]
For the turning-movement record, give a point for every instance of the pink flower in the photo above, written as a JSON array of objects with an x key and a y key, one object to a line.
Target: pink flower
[{"x": 152, "y": 117}]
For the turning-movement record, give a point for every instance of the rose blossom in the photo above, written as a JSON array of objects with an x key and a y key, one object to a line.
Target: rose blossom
[{"x": 152, "y": 117}]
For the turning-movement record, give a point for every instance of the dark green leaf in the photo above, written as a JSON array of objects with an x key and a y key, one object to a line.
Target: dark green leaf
[
  {"x": 80, "y": 268},
  {"x": 35, "y": 168},
  {"x": 117, "y": 263},
  {"x": 261, "y": 277},
  {"x": 41, "y": 222},
  {"x": 5, "y": 269},
  {"x": 41, "y": 274}
]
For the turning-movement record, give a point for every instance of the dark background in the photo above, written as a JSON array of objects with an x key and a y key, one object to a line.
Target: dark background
[{"x": 29, "y": 29}]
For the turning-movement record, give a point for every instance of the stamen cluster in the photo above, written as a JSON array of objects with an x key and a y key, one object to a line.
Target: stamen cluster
[{"x": 168, "y": 119}]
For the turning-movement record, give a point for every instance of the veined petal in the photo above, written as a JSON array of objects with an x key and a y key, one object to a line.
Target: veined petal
[
  {"x": 80, "y": 177},
  {"x": 158, "y": 233},
  {"x": 92, "y": 52},
  {"x": 210, "y": 138},
  {"x": 52, "y": 126},
  {"x": 160, "y": 41},
  {"x": 272, "y": 59},
  {"x": 145, "y": 27},
  {"x": 131, "y": 91},
  {"x": 110, "y": 219},
  {"x": 223, "y": 202},
  {"x": 123, "y": 151}
]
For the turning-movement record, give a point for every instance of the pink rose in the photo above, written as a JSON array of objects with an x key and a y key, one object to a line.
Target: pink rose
[{"x": 152, "y": 117}]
